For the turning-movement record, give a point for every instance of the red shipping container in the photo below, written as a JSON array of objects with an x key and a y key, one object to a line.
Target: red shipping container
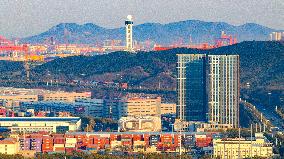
[
  {"x": 126, "y": 136},
  {"x": 126, "y": 143},
  {"x": 36, "y": 135},
  {"x": 146, "y": 137},
  {"x": 69, "y": 150},
  {"x": 59, "y": 140},
  {"x": 69, "y": 136},
  {"x": 92, "y": 146},
  {"x": 47, "y": 139},
  {"x": 57, "y": 135},
  {"x": 88, "y": 140},
  {"x": 47, "y": 148},
  {"x": 79, "y": 137},
  {"x": 114, "y": 137},
  {"x": 59, "y": 149},
  {"x": 137, "y": 137}
]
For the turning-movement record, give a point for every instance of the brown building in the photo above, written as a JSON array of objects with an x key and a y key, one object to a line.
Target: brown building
[
  {"x": 65, "y": 96},
  {"x": 141, "y": 107},
  {"x": 168, "y": 108}
]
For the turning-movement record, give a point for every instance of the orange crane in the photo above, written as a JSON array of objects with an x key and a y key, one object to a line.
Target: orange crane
[{"x": 7, "y": 46}]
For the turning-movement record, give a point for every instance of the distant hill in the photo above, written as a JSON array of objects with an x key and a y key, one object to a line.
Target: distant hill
[
  {"x": 261, "y": 66},
  {"x": 199, "y": 31}
]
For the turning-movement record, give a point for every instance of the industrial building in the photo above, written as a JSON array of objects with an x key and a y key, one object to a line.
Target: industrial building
[
  {"x": 114, "y": 108},
  {"x": 37, "y": 124},
  {"x": 140, "y": 124},
  {"x": 243, "y": 148},
  {"x": 276, "y": 36},
  {"x": 138, "y": 106},
  {"x": 10, "y": 96}
]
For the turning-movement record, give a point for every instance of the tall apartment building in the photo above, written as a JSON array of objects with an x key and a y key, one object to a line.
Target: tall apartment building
[
  {"x": 208, "y": 89},
  {"x": 191, "y": 87},
  {"x": 223, "y": 97}
]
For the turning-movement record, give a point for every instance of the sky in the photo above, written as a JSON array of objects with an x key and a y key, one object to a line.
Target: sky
[{"x": 22, "y": 18}]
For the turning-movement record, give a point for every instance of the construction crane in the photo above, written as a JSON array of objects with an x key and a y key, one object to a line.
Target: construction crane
[
  {"x": 8, "y": 46},
  {"x": 225, "y": 40}
]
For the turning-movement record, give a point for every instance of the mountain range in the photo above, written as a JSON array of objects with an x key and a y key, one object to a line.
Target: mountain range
[
  {"x": 261, "y": 65},
  {"x": 196, "y": 30}
]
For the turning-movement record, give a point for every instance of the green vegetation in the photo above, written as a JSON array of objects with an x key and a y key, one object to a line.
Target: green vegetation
[
  {"x": 261, "y": 66},
  {"x": 88, "y": 123}
]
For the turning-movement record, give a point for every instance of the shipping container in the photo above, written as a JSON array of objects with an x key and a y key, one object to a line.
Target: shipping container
[
  {"x": 69, "y": 150},
  {"x": 59, "y": 140},
  {"x": 47, "y": 140},
  {"x": 79, "y": 137},
  {"x": 57, "y": 135},
  {"x": 69, "y": 136},
  {"x": 58, "y": 145},
  {"x": 59, "y": 149},
  {"x": 154, "y": 139},
  {"x": 137, "y": 137},
  {"x": 70, "y": 145},
  {"x": 70, "y": 140},
  {"x": 88, "y": 141}
]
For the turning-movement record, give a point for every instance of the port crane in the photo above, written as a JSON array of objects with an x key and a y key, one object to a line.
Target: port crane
[{"x": 14, "y": 52}]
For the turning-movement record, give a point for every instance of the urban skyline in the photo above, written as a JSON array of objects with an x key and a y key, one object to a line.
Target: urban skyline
[
  {"x": 190, "y": 89},
  {"x": 21, "y": 19}
]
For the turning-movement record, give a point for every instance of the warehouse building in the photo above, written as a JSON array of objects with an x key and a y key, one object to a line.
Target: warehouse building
[{"x": 36, "y": 124}]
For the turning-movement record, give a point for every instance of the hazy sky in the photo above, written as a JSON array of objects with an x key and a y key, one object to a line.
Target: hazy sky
[{"x": 19, "y": 18}]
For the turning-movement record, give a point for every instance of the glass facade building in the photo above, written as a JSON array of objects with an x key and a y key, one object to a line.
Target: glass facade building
[
  {"x": 191, "y": 86},
  {"x": 224, "y": 90},
  {"x": 208, "y": 89}
]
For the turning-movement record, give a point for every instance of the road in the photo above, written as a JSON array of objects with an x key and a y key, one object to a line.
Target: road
[{"x": 271, "y": 115}]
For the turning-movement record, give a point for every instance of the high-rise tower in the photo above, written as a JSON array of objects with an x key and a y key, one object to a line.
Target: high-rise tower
[
  {"x": 191, "y": 87},
  {"x": 208, "y": 89},
  {"x": 128, "y": 28},
  {"x": 224, "y": 95}
]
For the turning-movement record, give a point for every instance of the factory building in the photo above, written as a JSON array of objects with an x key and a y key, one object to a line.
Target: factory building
[
  {"x": 12, "y": 96},
  {"x": 140, "y": 124},
  {"x": 36, "y": 124},
  {"x": 276, "y": 36},
  {"x": 65, "y": 96}
]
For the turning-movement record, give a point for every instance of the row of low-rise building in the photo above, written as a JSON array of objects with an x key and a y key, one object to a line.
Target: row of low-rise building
[
  {"x": 11, "y": 97},
  {"x": 209, "y": 143},
  {"x": 243, "y": 148},
  {"x": 41, "y": 124},
  {"x": 114, "y": 108}
]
